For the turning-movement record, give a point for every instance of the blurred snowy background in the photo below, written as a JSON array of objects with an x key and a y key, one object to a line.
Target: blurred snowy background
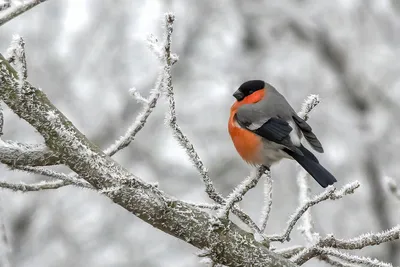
[{"x": 86, "y": 54}]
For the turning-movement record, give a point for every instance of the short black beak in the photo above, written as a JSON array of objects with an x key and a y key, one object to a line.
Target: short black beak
[{"x": 238, "y": 95}]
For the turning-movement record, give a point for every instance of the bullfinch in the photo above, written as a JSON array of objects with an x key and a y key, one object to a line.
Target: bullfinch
[{"x": 265, "y": 129}]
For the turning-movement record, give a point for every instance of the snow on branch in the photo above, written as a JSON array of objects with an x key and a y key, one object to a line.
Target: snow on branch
[
  {"x": 329, "y": 193},
  {"x": 12, "y": 9}
]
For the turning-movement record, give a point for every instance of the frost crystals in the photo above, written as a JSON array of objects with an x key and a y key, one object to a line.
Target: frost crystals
[{"x": 16, "y": 56}]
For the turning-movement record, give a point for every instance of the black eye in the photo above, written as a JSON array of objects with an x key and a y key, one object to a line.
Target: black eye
[{"x": 250, "y": 92}]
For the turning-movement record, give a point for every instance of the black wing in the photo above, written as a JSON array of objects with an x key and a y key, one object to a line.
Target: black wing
[
  {"x": 274, "y": 129},
  {"x": 308, "y": 134}
]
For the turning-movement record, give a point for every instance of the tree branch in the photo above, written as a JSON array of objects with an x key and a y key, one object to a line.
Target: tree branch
[
  {"x": 69, "y": 179},
  {"x": 267, "y": 203},
  {"x": 239, "y": 192},
  {"x": 43, "y": 185},
  {"x": 329, "y": 193},
  {"x": 15, "y": 153},
  {"x": 14, "y": 11}
]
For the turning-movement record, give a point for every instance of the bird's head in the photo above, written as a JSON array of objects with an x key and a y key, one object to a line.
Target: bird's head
[{"x": 248, "y": 88}]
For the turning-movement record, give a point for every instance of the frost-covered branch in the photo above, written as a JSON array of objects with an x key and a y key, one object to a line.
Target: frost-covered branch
[
  {"x": 329, "y": 193},
  {"x": 330, "y": 242},
  {"x": 43, "y": 185},
  {"x": 150, "y": 103},
  {"x": 1, "y": 120},
  {"x": 15, "y": 153},
  {"x": 300, "y": 212},
  {"x": 299, "y": 259},
  {"x": 239, "y": 192},
  {"x": 14, "y": 9},
  {"x": 171, "y": 119},
  {"x": 304, "y": 197},
  {"x": 308, "y": 105},
  {"x": 303, "y": 178},
  {"x": 290, "y": 251},
  {"x": 267, "y": 202},
  {"x": 16, "y": 56},
  {"x": 137, "y": 96},
  {"x": 140, "y": 121},
  {"x": 365, "y": 240},
  {"x": 335, "y": 262},
  {"x": 69, "y": 179}
]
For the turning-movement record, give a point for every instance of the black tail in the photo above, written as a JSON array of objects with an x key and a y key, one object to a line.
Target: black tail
[{"x": 310, "y": 163}]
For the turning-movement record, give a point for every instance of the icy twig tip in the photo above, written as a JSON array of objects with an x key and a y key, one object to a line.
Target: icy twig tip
[{"x": 311, "y": 102}]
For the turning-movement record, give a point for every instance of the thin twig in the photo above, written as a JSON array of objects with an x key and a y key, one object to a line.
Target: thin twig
[
  {"x": 365, "y": 240},
  {"x": 169, "y": 59},
  {"x": 239, "y": 192},
  {"x": 304, "y": 197},
  {"x": 71, "y": 179},
  {"x": 335, "y": 262},
  {"x": 137, "y": 96},
  {"x": 1, "y": 120},
  {"x": 13, "y": 12},
  {"x": 5, "y": 247},
  {"x": 300, "y": 212},
  {"x": 289, "y": 252},
  {"x": 360, "y": 242},
  {"x": 43, "y": 185},
  {"x": 171, "y": 118},
  {"x": 308, "y": 105},
  {"x": 267, "y": 202},
  {"x": 329, "y": 193},
  {"x": 353, "y": 258},
  {"x": 139, "y": 122},
  {"x": 17, "y": 57}
]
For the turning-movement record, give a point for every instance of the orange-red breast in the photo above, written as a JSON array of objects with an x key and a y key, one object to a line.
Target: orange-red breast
[{"x": 265, "y": 129}]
